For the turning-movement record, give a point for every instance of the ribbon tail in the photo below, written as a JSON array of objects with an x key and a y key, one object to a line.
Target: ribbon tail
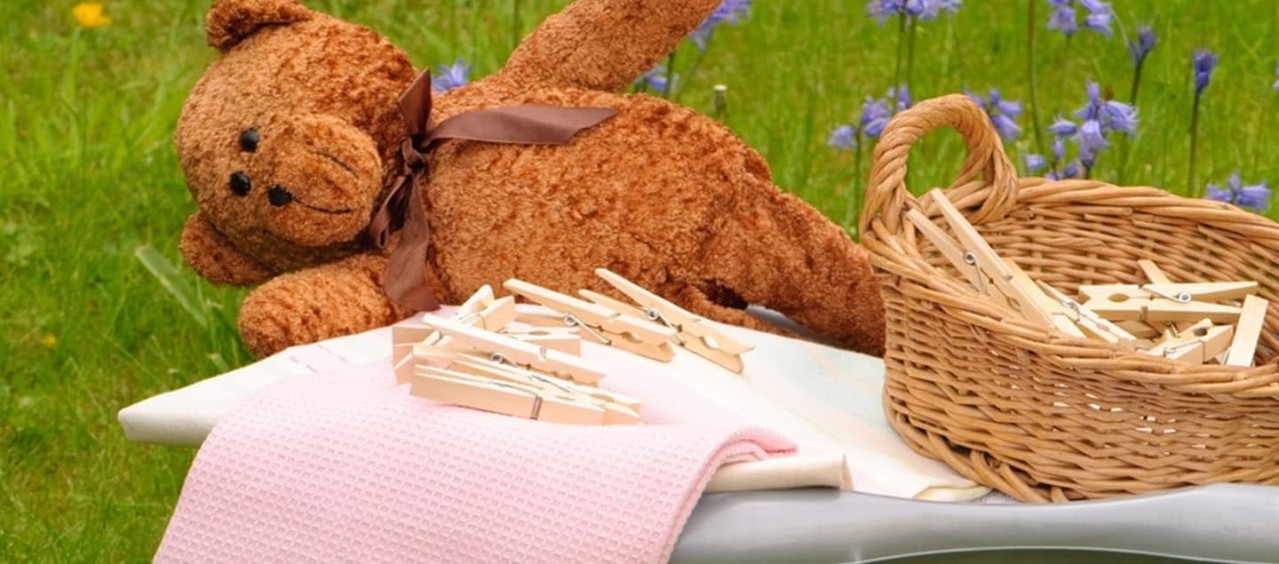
[
  {"x": 406, "y": 269},
  {"x": 529, "y": 124}
]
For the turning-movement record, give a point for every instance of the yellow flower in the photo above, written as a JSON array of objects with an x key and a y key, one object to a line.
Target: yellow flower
[
  {"x": 89, "y": 14},
  {"x": 49, "y": 340}
]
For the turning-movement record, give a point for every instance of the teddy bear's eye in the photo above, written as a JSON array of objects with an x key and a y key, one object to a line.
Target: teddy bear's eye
[
  {"x": 249, "y": 140},
  {"x": 240, "y": 183}
]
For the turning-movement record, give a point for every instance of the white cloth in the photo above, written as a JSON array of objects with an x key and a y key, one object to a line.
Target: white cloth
[{"x": 825, "y": 399}]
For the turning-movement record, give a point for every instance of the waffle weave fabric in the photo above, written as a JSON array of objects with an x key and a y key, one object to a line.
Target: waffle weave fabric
[{"x": 347, "y": 466}]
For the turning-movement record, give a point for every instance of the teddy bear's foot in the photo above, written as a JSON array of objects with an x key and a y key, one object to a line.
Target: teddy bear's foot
[{"x": 320, "y": 303}]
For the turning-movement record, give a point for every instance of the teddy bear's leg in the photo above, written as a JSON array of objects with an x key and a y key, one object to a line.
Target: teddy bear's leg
[
  {"x": 319, "y": 303},
  {"x": 777, "y": 251}
]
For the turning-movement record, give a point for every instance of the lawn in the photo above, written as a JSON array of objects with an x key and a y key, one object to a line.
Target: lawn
[{"x": 99, "y": 313}]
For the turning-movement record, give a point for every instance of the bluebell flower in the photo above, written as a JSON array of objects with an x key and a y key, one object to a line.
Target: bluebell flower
[
  {"x": 451, "y": 77},
  {"x": 1255, "y": 197},
  {"x": 1063, "y": 17},
  {"x": 1142, "y": 47},
  {"x": 1063, "y": 127},
  {"x": 922, "y": 9},
  {"x": 1099, "y": 16},
  {"x": 1059, "y": 149},
  {"x": 1070, "y": 171},
  {"x": 729, "y": 11},
  {"x": 902, "y": 93},
  {"x": 874, "y": 117},
  {"x": 884, "y": 9},
  {"x": 843, "y": 138},
  {"x": 1003, "y": 113},
  {"x": 1204, "y": 63},
  {"x": 1110, "y": 115},
  {"x": 934, "y": 8},
  {"x": 1035, "y": 163}
]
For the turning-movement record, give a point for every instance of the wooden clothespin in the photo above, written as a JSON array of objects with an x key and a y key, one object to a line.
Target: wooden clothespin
[
  {"x": 1092, "y": 323},
  {"x": 485, "y": 310},
  {"x": 1196, "y": 344},
  {"x": 514, "y": 351},
  {"x": 972, "y": 256},
  {"x": 604, "y": 325},
  {"x": 1247, "y": 331},
  {"x": 499, "y": 396},
  {"x": 618, "y": 408},
  {"x": 1128, "y": 302},
  {"x": 690, "y": 331}
]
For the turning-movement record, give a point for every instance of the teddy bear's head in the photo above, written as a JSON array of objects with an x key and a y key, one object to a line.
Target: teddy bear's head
[{"x": 288, "y": 139}]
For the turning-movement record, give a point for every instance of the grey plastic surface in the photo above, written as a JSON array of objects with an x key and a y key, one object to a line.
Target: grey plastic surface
[{"x": 1223, "y": 522}]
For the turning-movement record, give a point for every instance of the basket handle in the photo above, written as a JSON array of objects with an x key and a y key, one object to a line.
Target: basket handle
[{"x": 886, "y": 194}]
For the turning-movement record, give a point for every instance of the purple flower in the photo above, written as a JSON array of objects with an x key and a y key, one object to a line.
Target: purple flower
[
  {"x": 1059, "y": 149},
  {"x": 1255, "y": 197},
  {"x": 1099, "y": 16},
  {"x": 1204, "y": 63},
  {"x": 451, "y": 77},
  {"x": 1035, "y": 163},
  {"x": 875, "y": 116},
  {"x": 843, "y": 138},
  {"x": 922, "y": 9},
  {"x": 933, "y": 8},
  {"x": 729, "y": 11},
  {"x": 1071, "y": 171},
  {"x": 656, "y": 79},
  {"x": 903, "y": 98},
  {"x": 1110, "y": 114},
  {"x": 1063, "y": 17},
  {"x": 1276, "y": 84},
  {"x": 1144, "y": 44},
  {"x": 1003, "y": 113},
  {"x": 1063, "y": 127}
]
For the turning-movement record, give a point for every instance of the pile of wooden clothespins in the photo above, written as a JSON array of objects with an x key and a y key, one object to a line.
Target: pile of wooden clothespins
[
  {"x": 1203, "y": 322},
  {"x": 492, "y": 357}
]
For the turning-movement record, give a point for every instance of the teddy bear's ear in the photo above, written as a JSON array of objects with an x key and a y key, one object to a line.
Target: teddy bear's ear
[{"x": 230, "y": 21}]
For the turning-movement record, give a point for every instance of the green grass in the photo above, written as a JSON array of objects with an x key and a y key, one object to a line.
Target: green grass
[{"x": 89, "y": 176}]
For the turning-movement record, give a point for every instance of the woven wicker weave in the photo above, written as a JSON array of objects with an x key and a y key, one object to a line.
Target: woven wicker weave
[{"x": 1032, "y": 412}]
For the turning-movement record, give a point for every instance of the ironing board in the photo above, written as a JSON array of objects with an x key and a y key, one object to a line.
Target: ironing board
[{"x": 1226, "y": 522}]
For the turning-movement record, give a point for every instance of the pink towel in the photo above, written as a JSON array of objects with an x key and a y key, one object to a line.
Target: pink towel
[{"x": 348, "y": 466}]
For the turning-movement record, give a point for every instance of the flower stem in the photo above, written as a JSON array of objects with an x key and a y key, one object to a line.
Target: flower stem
[
  {"x": 897, "y": 69},
  {"x": 1192, "y": 188},
  {"x": 688, "y": 74},
  {"x": 910, "y": 60},
  {"x": 853, "y": 213},
  {"x": 1030, "y": 76},
  {"x": 1136, "y": 82},
  {"x": 1125, "y": 146},
  {"x": 670, "y": 76},
  {"x": 515, "y": 24}
]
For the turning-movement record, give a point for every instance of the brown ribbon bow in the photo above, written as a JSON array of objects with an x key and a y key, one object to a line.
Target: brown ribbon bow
[{"x": 525, "y": 124}]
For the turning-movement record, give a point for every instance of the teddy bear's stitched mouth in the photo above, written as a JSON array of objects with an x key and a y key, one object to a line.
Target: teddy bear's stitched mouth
[{"x": 279, "y": 196}]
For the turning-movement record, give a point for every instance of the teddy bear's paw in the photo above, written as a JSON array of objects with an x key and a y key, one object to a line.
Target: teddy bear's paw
[{"x": 330, "y": 301}]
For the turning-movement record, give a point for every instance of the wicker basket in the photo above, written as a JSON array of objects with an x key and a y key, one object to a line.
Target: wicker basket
[{"x": 1030, "y": 411}]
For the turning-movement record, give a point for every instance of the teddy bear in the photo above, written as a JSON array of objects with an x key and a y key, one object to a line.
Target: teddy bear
[{"x": 294, "y": 140}]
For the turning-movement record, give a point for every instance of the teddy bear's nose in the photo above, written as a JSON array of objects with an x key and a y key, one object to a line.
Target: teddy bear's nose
[{"x": 278, "y": 196}]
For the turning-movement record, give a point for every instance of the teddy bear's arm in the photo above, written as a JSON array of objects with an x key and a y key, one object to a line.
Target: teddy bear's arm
[
  {"x": 603, "y": 44},
  {"x": 318, "y": 303},
  {"x": 211, "y": 254}
]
